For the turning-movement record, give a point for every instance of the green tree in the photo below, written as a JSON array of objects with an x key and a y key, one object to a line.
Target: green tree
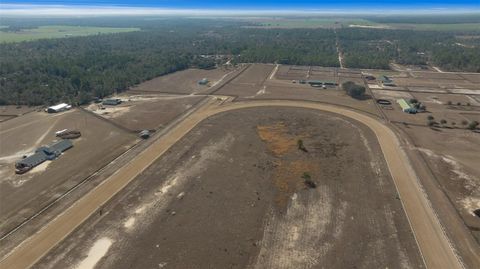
[
  {"x": 473, "y": 125},
  {"x": 353, "y": 90}
]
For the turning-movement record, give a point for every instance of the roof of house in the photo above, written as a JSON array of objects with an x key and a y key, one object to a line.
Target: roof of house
[
  {"x": 404, "y": 104},
  {"x": 59, "y": 106},
  {"x": 61, "y": 145},
  {"x": 384, "y": 78},
  {"x": 34, "y": 159}
]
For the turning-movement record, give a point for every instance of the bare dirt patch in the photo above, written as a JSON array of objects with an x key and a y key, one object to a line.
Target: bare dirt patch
[
  {"x": 181, "y": 82},
  {"x": 146, "y": 112},
  {"x": 211, "y": 201},
  {"x": 453, "y": 158},
  {"x": 23, "y": 195}
]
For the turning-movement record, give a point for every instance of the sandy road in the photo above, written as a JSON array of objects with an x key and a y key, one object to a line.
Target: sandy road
[{"x": 431, "y": 239}]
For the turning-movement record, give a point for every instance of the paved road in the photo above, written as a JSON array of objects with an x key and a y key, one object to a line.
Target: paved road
[{"x": 430, "y": 237}]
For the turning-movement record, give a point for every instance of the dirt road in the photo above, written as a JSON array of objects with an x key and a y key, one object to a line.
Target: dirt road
[{"x": 433, "y": 243}]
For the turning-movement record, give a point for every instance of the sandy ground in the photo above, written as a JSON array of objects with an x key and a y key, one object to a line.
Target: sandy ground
[
  {"x": 233, "y": 190},
  {"x": 23, "y": 195},
  {"x": 255, "y": 83},
  {"x": 455, "y": 165},
  {"x": 150, "y": 112},
  {"x": 182, "y": 82}
]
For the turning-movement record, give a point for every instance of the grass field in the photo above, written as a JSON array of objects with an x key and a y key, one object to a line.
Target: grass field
[
  {"x": 360, "y": 23},
  {"x": 437, "y": 27},
  {"x": 312, "y": 22},
  {"x": 58, "y": 31}
]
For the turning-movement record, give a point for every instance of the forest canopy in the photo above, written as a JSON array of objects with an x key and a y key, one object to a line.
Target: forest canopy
[{"x": 77, "y": 69}]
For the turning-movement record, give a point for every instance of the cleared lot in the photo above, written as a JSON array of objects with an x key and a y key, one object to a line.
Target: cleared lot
[
  {"x": 150, "y": 112},
  {"x": 181, "y": 82},
  {"x": 233, "y": 190},
  {"x": 23, "y": 195}
]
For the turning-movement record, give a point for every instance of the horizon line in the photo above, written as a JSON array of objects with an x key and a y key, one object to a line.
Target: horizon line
[{"x": 39, "y": 10}]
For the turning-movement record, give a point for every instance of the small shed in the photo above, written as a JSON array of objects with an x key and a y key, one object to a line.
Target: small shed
[
  {"x": 112, "y": 101},
  {"x": 386, "y": 81},
  {"x": 203, "y": 81}
]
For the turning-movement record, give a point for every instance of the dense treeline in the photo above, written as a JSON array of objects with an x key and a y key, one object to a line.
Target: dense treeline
[
  {"x": 81, "y": 68},
  {"x": 376, "y": 48},
  {"x": 78, "y": 69},
  {"x": 299, "y": 46}
]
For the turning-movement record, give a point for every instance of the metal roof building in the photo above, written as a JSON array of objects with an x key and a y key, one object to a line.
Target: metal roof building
[
  {"x": 112, "y": 102},
  {"x": 386, "y": 81},
  {"x": 42, "y": 154},
  {"x": 321, "y": 82},
  {"x": 406, "y": 107},
  {"x": 58, "y": 108},
  {"x": 203, "y": 81},
  {"x": 61, "y": 146}
]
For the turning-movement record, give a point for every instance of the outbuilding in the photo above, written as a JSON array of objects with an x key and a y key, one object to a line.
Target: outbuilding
[
  {"x": 386, "y": 81},
  {"x": 203, "y": 81},
  {"x": 58, "y": 108},
  {"x": 112, "y": 102},
  {"x": 406, "y": 107},
  {"x": 42, "y": 154}
]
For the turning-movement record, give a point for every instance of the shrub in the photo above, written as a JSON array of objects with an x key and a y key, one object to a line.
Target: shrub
[
  {"x": 301, "y": 146},
  {"x": 310, "y": 183},
  {"x": 353, "y": 90},
  {"x": 473, "y": 125}
]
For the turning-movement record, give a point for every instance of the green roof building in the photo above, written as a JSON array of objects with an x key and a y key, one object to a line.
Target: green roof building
[{"x": 406, "y": 107}]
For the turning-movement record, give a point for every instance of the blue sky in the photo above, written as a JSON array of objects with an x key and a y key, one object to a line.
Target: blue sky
[
  {"x": 68, "y": 8},
  {"x": 260, "y": 4}
]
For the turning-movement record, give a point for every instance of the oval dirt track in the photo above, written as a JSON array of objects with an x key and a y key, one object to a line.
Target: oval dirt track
[{"x": 432, "y": 241}]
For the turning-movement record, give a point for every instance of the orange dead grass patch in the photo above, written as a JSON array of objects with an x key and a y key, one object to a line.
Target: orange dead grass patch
[
  {"x": 287, "y": 178},
  {"x": 276, "y": 138}
]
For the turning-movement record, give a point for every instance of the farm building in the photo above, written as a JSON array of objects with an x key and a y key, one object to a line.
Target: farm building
[
  {"x": 112, "y": 102},
  {"x": 58, "y": 108},
  {"x": 203, "y": 81},
  {"x": 319, "y": 83},
  {"x": 406, "y": 107},
  {"x": 386, "y": 81},
  {"x": 42, "y": 154}
]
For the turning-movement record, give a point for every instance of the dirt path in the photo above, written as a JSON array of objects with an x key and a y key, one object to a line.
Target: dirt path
[
  {"x": 272, "y": 75},
  {"x": 340, "y": 54},
  {"x": 431, "y": 239}
]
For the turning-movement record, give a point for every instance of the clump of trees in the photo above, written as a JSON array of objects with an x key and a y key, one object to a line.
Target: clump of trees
[
  {"x": 419, "y": 106},
  {"x": 473, "y": 125},
  {"x": 353, "y": 90}
]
